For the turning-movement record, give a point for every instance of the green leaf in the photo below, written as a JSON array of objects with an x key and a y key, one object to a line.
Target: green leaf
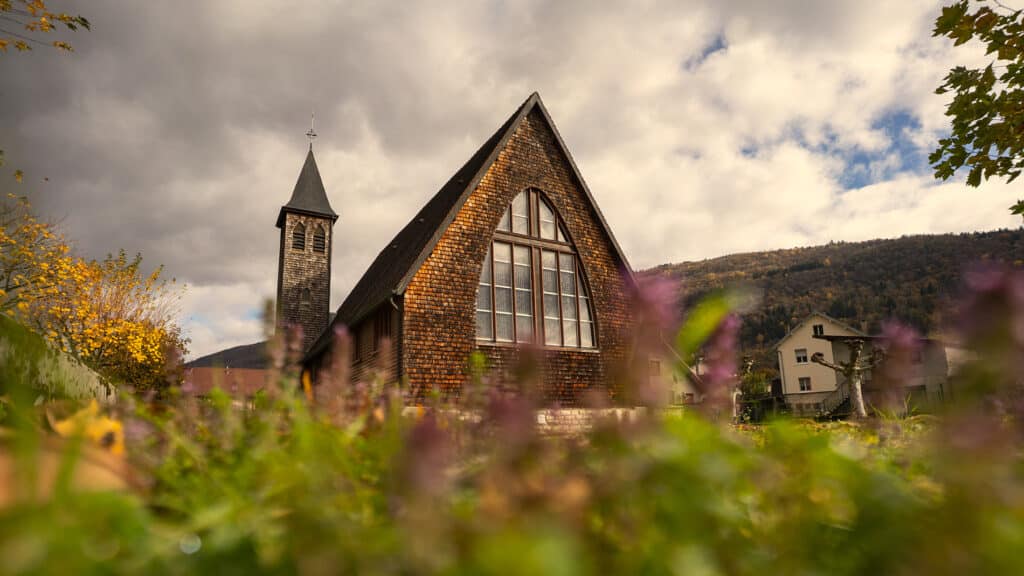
[{"x": 701, "y": 323}]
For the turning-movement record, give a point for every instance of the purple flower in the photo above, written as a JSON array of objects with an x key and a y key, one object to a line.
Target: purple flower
[
  {"x": 902, "y": 348},
  {"x": 658, "y": 303},
  {"x": 720, "y": 365},
  {"x": 428, "y": 454}
]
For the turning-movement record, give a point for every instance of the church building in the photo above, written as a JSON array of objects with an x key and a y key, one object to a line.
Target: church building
[{"x": 511, "y": 254}]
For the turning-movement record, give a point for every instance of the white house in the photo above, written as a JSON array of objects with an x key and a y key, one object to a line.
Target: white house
[
  {"x": 811, "y": 389},
  {"x": 805, "y": 385}
]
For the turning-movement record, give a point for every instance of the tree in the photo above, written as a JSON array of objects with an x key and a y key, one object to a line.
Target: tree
[
  {"x": 33, "y": 19},
  {"x": 987, "y": 110},
  {"x": 28, "y": 247},
  {"x": 106, "y": 313},
  {"x": 853, "y": 371},
  {"x": 115, "y": 318}
]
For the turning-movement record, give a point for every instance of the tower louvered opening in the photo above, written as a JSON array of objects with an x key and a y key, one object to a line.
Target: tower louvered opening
[
  {"x": 299, "y": 238},
  {"x": 319, "y": 240}
]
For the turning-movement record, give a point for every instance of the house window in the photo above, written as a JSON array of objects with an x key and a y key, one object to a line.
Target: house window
[
  {"x": 654, "y": 371},
  {"x": 801, "y": 355},
  {"x": 381, "y": 327},
  {"x": 819, "y": 329},
  {"x": 805, "y": 384},
  {"x": 531, "y": 285},
  {"x": 319, "y": 240},
  {"x": 299, "y": 237}
]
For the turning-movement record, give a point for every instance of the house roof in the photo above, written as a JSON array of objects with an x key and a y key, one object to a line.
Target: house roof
[
  {"x": 395, "y": 266},
  {"x": 309, "y": 196},
  {"x": 839, "y": 323},
  {"x": 244, "y": 381}
]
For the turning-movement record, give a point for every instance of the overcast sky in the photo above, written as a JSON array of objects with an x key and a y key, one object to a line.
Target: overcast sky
[{"x": 702, "y": 128}]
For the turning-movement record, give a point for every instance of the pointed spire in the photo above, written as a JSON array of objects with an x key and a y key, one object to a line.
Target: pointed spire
[{"x": 309, "y": 196}]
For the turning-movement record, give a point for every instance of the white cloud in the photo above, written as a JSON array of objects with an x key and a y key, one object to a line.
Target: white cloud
[{"x": 181, "y": 137}]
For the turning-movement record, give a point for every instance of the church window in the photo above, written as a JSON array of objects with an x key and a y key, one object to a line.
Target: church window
[
  {"x": 319, "y": 240},
  {"x": 531, "y": 285},
  {"x": 521, "y": 214},
  {"x": 547, "y": 221},
  {"x": 304, "y": 299},
  {"x": 484, "y": 299},
  {"x": 299, "y": 238}
]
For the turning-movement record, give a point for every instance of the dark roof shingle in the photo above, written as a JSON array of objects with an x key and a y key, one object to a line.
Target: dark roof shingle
[
  {"x": 385, "y": 274},
  {"x": 309, "y": 196}
]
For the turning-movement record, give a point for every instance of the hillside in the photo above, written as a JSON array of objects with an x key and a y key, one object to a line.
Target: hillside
[
  {"x": 913, "y": 279},
  {"x": 245, "y": 356}
]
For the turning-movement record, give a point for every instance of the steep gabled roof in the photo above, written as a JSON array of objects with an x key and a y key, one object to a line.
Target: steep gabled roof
[
  {"x": 395, "y": 266},
  {"x": 839, "y": 323},
  {"x": 309, "y": 196}
]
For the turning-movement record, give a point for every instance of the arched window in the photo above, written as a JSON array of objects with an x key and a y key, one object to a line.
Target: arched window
[
  {"x": 531, "y": 284},
  {"x": 304, "y": 299},
  {"x": 299, "y": 237},
  {"x": 319, "y": 240}
]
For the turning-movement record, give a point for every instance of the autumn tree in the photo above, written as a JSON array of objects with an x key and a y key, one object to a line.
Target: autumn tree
[
  {"x": 109, "y": 313},
  {"x": 28, "y": 247},
  {"x": 113, "y": 316},
  {"x": 987, "y": 110},
  {"x": 27, "y": 23}
]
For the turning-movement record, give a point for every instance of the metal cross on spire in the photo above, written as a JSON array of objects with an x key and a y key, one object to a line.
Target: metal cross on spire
[{"x": 312, "y": 133}]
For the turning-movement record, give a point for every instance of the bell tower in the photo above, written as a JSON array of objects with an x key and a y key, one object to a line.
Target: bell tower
[{"x": 304, "y": 261}]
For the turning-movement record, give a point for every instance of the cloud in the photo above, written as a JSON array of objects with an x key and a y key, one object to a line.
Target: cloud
[{"x": 703, "y": 128}]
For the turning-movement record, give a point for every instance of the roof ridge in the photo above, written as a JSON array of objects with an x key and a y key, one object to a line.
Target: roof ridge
[{"x": 808, "y": 317}]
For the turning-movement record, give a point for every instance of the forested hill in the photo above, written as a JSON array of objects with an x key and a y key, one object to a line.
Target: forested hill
[{"x": 912, "y": 279}]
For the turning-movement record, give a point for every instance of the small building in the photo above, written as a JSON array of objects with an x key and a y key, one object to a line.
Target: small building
[
  {"x": 812, "y": 389},
  {"x": 805, "y": 385},
  {"x": 676, "y": 382}
]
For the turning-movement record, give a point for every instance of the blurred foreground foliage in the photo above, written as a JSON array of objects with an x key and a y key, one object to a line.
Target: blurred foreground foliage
[
  {"x": 282, "y": 489},
  {"x": 343, "y": 478}
]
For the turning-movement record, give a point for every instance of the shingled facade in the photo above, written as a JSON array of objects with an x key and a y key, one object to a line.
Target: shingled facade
[{"x": 511, "y": 254}]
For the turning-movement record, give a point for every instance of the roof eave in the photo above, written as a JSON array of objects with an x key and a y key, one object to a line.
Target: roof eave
[
  {"x": 471, "y": 185},
  {"x": 286, "y": 209}
]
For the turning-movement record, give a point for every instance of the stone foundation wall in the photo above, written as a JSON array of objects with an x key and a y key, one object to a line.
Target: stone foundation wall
[{"x": 561, "y": 421}]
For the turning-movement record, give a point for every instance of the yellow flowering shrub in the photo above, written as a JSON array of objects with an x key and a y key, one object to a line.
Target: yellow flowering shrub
[{"x": 107, "y": 313}]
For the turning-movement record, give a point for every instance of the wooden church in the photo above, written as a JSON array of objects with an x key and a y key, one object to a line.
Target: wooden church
[{"x": 512, "y": 253}]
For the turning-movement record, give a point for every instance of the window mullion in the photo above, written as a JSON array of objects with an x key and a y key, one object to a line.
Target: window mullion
[
  {"x": 538, "y": 285},
  {"x": 515, "y": 313},
  {"x": 579, "y": 317},
  {"x": 561, "y": 313},
  {"x": 494, "y": 301}
]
